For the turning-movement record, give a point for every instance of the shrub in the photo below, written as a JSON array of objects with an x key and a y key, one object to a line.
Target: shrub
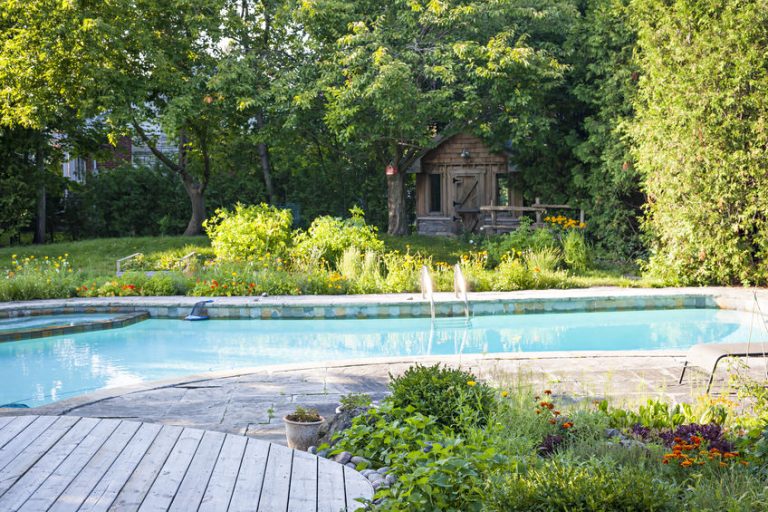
[
  {"x": 593, "y": 485},
  {"x": 328, "y": 237},
  {"x": 524, "y": 238},
  {"x": 255, "y": 231},
  {"x": 452, "y": 396},
  {"x": 38, "y": 278},
  {"x": 435, "y": 469},
  {"x": 545, "y": 259},
  {"x": 402, "y": 272},
  {"x": 361, "y": 271},
  {"x": 575, "y": 251},
  {"x": 511, "y": 274}
]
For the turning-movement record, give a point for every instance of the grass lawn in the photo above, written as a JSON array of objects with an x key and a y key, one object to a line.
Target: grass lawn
[{"x": 97, "y": 257}]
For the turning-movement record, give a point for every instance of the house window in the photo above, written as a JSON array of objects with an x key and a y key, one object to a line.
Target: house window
[
  {"x": 502, "y": 189},
  {"x": 435, "y": 195}
]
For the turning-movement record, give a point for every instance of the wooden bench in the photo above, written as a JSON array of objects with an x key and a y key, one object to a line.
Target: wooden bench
[{"x": 708, "y": 355}]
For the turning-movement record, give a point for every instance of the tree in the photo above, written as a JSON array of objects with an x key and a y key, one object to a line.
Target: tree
[
  {"x": 138, "y": 64},
  {"x": 701, "y": 138},
  {"x": 605, "y": 79},
  {"x": 396, "y": 74}
]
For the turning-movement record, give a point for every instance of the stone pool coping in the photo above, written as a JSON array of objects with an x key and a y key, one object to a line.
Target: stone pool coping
[
  {"x": 407, "y": 305},
  {"x": 69, "y": 405},
  {"x": 120, "y": 320}
]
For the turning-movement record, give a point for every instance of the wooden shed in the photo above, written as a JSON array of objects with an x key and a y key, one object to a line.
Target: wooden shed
[{"x": 456, "y": 183}]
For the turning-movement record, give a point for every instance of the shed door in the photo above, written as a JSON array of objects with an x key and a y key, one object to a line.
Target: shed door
[{"x": 468, "y": 194}]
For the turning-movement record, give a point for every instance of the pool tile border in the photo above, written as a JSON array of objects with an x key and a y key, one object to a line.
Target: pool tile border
[
  {"x": 123, "y": 320},
  {"x": 401, "y": 305}
]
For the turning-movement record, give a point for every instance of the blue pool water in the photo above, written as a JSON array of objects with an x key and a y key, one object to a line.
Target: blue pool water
[{"x": 36, "y": 372}]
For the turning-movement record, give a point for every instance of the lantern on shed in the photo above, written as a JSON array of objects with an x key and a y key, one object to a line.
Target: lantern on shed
[{"x": 391, "y": 170}]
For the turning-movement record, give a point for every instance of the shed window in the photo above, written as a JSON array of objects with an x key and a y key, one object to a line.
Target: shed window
[
  {"x": 435, "y": 193},
  {"x": 502, "y": 189}
]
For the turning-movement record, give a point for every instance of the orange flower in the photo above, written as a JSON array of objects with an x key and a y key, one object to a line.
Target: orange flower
[
  {"x": 686, "y": 463},
  {"x": 567, "y": 424},
  {"x": 547, "y": 392},
  {"x": 552, "y": 422},
  {"x": 556, "y": 413},
  {"x": 538, "y": 411}
]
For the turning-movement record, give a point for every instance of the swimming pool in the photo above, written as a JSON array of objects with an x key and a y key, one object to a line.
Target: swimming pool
[{"x": 36, "y": 372}]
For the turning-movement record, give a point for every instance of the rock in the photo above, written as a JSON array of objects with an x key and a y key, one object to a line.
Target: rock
[
  {"x": 383, "y": 470},
  {"x": 341, "y": 421},
  {"x": 375, "y": 477},
  {"x": 427, "y": 448},
  {"x": 367, "y": 472},
  {"x": 613, "y": 432},
  {"x": 312, "y": 450},
  {"x": 343, "y": 457},
  {"x": 351, "y": 465},
  {"x": 390, "y": 479},
  {"x": 360, "y": 460},
  {"x": 323, "y": 454},
  {"x": 376, "y": 485}
]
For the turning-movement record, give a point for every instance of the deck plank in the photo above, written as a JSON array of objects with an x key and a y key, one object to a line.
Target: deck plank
[
  {"x": 106, "y": 490},
  {"x": 222, "y": 482},
  {"x": 23, "y": 439},
  {"x": 331, "y": 496},
  {"x": 245, "y": 497},
  {"x": 192, "y": 488},
  {"x": 13, "y": 428},
  {"x": 79, "y": 489},
  {"x": 70, "y": 468},
  {"x": 18, "y": 466},
  {"x": 19, "y": 489},
  {"x": 277, "y": 480},
  {"x": 162, "y": 492},
  {"x": 68, "y": 463},
  {"x": 4, "y": 420},
  {"x": 303, "y": 494},
  {"x": 133, "y": 492},
  {"x": 356, "y": 486}
]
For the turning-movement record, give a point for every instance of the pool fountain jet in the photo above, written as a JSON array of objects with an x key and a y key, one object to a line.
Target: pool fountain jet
[
  {"x": 199, "y": 311},
  {"x": 427, "y": 289},
  {"x": 460, "y": 288}
]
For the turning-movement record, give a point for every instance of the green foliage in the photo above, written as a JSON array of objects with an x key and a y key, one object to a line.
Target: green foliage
[
  {"x": 130, "y": 201},
  {"x": 701, "y": 139},
  {"x": 136, "y": 284},
  {"x": 575, "y": 251},
  {"x": 436, "y": 471},
  {"x": 452, "y": 396},
  {"x": 593, "y": 485},
  {"x": 38, "y": 278},
  {"x": 515, "y": 243},
  {"x": 328, "y": 237},
  {"x": 355, "y": 401},
  {"x": 248, "y": 232},
  {"x": 655, "y": 413},
  {"x": 605, "y": 79}
]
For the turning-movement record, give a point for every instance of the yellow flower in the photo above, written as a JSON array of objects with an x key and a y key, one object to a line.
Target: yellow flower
[
  {"x": 504, "y": 394},
  {"x": 471, "y": 383}
]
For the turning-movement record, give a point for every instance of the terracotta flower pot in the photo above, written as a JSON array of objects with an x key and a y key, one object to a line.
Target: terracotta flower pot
[{"x": 300, "y": 435}]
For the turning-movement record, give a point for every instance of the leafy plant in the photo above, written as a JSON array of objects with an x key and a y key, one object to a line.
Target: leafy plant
[
  {"x": 355, "y": 401},
  {"x": 248, "y": 232},
  {"x": 452, "y": 396},
  {"x": 328, "y": 237},
  {"x": 302, "y": 415},
  {"x": 575, "y": 251}
]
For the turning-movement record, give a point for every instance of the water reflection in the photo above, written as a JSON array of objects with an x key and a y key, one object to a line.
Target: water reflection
[{"x": 40, "y": 371}]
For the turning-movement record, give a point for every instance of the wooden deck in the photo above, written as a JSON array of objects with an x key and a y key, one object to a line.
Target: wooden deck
[{"x": 63, "y": 463}]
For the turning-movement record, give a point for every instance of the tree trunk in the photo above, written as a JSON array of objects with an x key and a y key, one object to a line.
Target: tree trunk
[
  {"x": 266, "y": 164},
  {"x": 196, "y": 195},
  {"x": 398, "y": 218},
  {"x": 266, "y": 169},
  {"x": 39, "y": 237}
]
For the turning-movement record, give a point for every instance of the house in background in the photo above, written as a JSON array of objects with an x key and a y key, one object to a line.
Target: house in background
[
  {"x": 127, "y": 151},
  {"x": 458, "y": 185}
]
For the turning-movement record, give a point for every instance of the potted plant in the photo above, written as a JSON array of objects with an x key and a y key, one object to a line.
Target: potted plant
[{"x": 302, "y": 427}]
